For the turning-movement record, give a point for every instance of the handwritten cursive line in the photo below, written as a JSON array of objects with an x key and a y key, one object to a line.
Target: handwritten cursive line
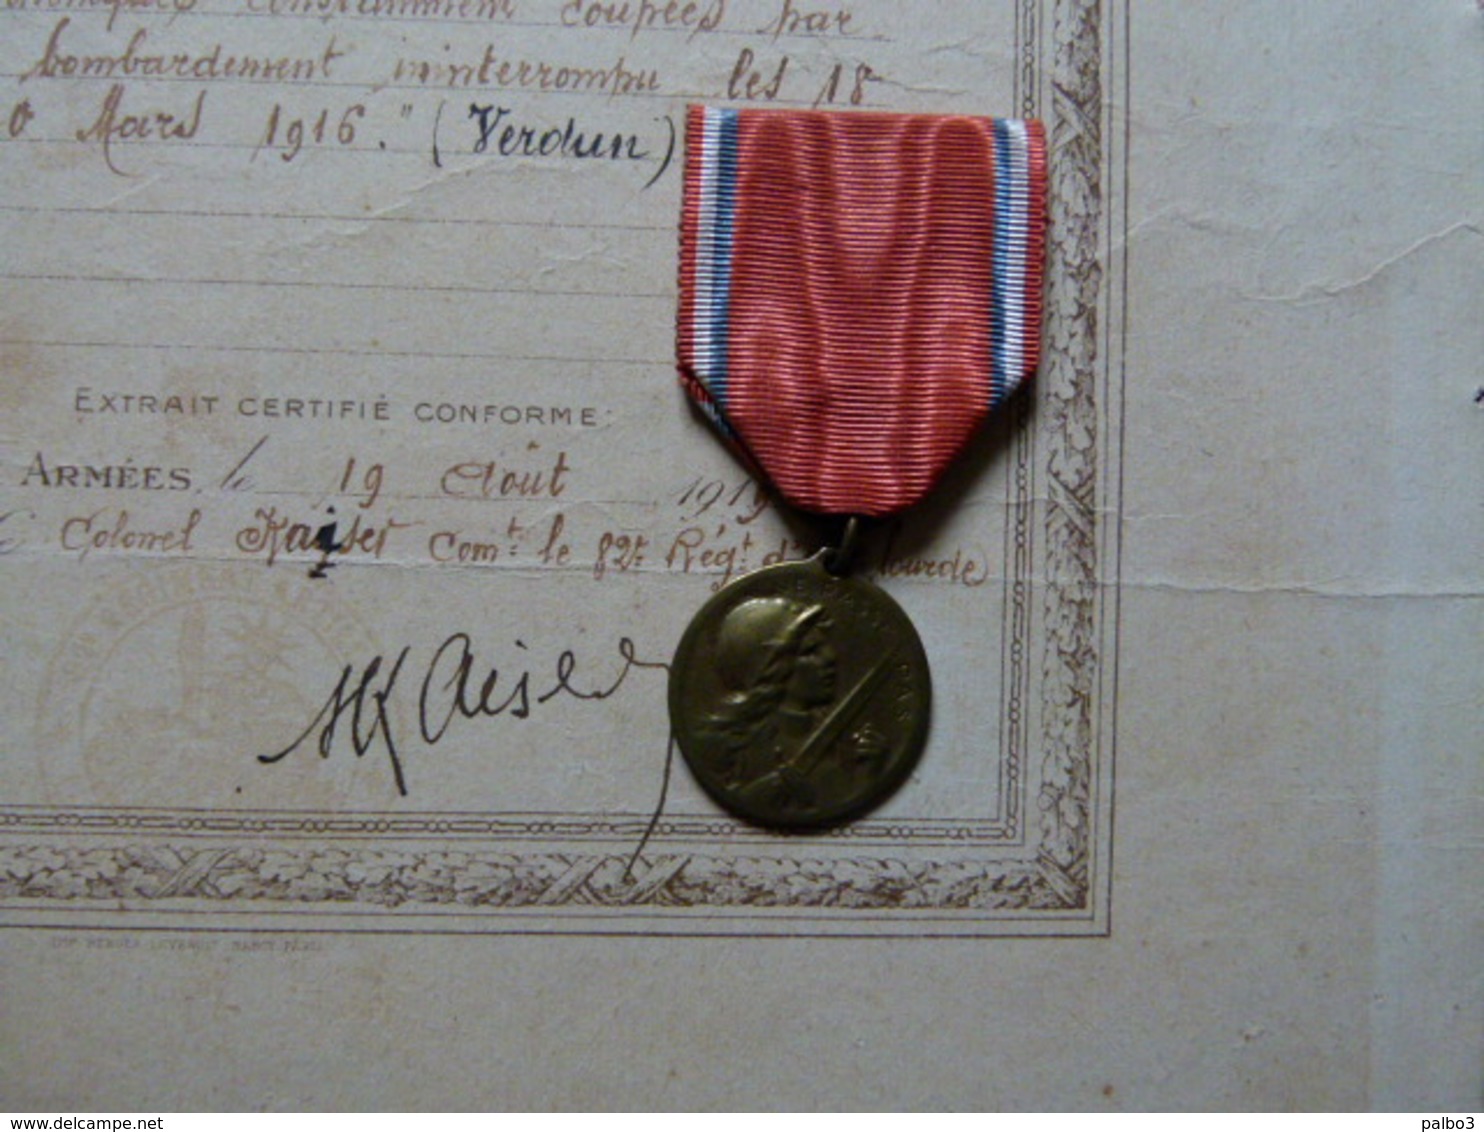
[{"x": 367, "y": 703}]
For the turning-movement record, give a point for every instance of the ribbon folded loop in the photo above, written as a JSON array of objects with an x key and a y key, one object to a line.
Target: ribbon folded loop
[{"x": 858, "y": 291}]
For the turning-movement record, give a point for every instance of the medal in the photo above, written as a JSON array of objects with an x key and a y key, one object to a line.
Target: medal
[
  {"x": 799, "y": 695},
  {"x": 857, "y": 293}
]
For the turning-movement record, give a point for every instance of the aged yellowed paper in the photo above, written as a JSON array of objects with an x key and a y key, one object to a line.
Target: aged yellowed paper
[
  {"x": 351, "y": 514},
  {"x": 345, "y": 361}
]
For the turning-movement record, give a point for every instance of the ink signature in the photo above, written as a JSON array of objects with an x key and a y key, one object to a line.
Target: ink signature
[{"x": 367, "y": 704}]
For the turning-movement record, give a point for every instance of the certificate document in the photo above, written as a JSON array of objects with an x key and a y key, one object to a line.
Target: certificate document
[
  {"x": 352, "y": 511},
  {"x": 357, "y": 510}
]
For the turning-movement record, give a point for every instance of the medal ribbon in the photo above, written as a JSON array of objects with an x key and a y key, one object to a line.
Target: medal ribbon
[{"x": 858, "y": 291}]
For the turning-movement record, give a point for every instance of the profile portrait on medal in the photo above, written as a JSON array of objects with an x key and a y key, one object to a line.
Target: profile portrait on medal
[{"x": 776, "y": 729}]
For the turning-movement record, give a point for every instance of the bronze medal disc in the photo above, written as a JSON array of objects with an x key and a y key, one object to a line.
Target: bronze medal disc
[{"x": 800, "y": 698}]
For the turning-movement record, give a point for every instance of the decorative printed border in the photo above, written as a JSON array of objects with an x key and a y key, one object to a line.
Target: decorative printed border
[
  {"x": 168, "y": 861},
  {"x": 318, "y": 876},
  {"x": 1069, "y": 394},
  {"x": 625, "y": 828}
]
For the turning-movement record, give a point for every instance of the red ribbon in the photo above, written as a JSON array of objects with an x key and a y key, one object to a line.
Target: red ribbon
[{"x": 858, "y": 291}]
